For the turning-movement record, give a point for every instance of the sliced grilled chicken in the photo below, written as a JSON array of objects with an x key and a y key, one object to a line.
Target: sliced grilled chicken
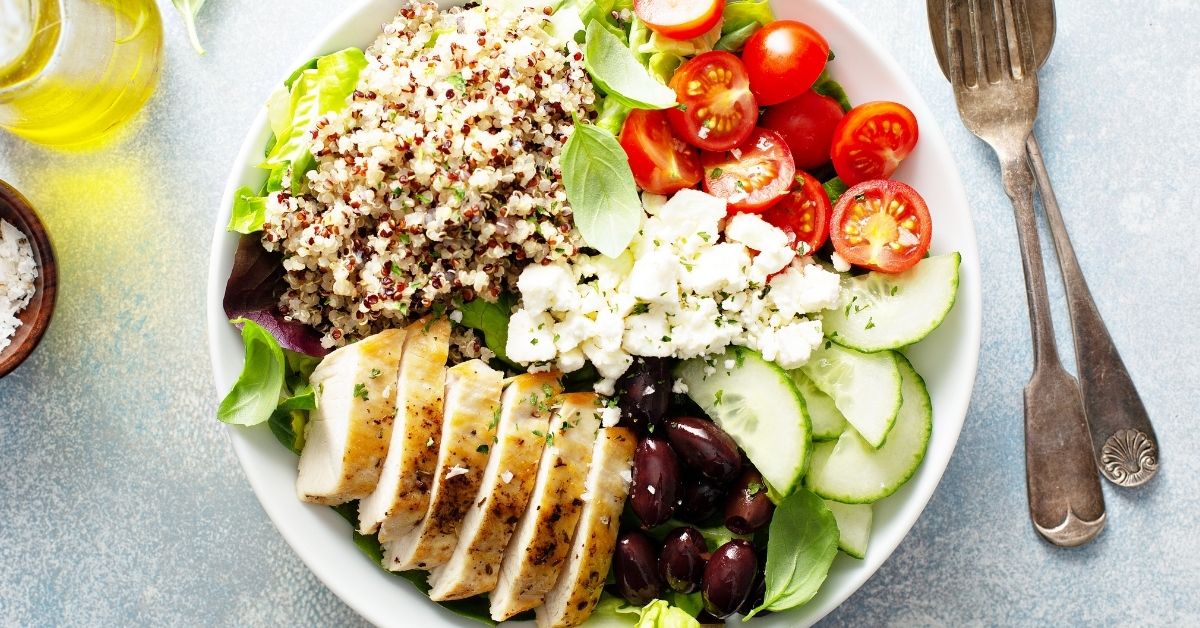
[
  {"x": 508, "y": 480},
  {"x": 472, "y": 400},
  {"x": 539, "y": 547},
  {"x": 578, "y": 588},
  {"x": 347, "y": 435},
  {"x": 402, "y": 495}
]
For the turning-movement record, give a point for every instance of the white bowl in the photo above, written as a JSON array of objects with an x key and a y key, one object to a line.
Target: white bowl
[{"x": 947, "y": 359}]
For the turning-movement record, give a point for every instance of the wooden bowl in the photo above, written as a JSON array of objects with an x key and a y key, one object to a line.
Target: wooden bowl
[{"x": 35, "y": 318}]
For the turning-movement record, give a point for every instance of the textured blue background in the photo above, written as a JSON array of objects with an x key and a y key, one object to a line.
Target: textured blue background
[{"x": 121, "y": 501}]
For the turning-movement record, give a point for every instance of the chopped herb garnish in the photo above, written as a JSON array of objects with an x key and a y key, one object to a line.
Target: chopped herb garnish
[
  {"x": 495, "y": 418},
  {"x": 482, "y": 449},
  {"x": 715, "y": 173},
  {"x": 424, "y": 198},
  {"x": 538, "y": 433},
  {"x": 360, "y": 391},
  {"x": 754, "y": 488},
  {"x": 870, "y": 323},
  {"x": 666, "y": 339},
  {"x": 717, "y": 397},
  {"x": 375, "y": 373},
  {"x": 641, "y": 308},
  {"x": 894, "y": 290},
  {"x": 550, "y": 439}
]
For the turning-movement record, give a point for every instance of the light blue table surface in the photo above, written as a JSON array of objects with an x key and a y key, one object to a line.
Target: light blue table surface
[{"x": 121, "y": 502}]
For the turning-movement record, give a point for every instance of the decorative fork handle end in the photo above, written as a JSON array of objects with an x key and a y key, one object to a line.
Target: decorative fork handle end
[{"x": 1073, "y": 531}]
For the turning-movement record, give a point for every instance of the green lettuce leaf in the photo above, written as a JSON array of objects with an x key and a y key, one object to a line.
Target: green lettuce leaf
[
  {"x": 249, "y": 211},
  {"x": 491, "y": 319},
  {"x": 835, "y": 188},
  {"x": 742, "y": 18},
  {"x": 826, "y": 86}
]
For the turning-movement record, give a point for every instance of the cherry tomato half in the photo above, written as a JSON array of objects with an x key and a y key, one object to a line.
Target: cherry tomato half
[
  {"x": 784, "y": 58},
  {"x": 679, "y": 19},
  {"x": 752, "y": 177},
  {"x": 806, "y": 123},
  {"x": 881, "y": 225},
  {"x": 872, "y": 140},
  {"x": 803, "y": 214},
  {"x": 717, "y": 111},
  {"x": 661, "y": 162}
]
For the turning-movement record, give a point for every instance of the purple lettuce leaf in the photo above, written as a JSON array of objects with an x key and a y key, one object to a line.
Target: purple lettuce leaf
[{"x": 253, "y": 290}]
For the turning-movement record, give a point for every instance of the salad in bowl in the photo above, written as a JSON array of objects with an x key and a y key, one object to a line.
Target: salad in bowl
[{"x": 589, "y": 312}]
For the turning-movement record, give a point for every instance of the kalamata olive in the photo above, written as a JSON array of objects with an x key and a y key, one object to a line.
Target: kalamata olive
[
  {"x": 656, "y": 488},
  {"x": 645, "y": 393},
  {"x": 705, "y": 448},
  {"x": 757, "y": 594},
  {"x": 747, "y": 509},
  {"x": 635, "y": 565},
  {"x": 681, "y": 562},
  {"x": 701, "y": 500},
  {"x": 729, "y": 578}
]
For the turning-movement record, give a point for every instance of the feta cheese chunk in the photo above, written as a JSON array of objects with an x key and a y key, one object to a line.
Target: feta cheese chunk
[
  {"x": 546, "y": 287},
  {"x": 804, "y": 289},
  {"x": 530, "y": 337},
  {"x": 756, "y": 233},
  {"x": 654, "y": 278}
]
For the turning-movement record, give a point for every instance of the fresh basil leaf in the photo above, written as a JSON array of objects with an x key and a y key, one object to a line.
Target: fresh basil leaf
[
  {"x": 255, "y": 395},
  {"x": 188, "y": 9},
  {"x": 826, "y": 86},
  {"x": 491, "y": 319},
  {"x": 615, "y": 69},
  {"x": 802, "y": 544},
  {"x": 249, "y": 211},
  {"x": 611, "y": 114},
  {"x": 835, "y": 188},
  {"x": 601, "y": 190}
]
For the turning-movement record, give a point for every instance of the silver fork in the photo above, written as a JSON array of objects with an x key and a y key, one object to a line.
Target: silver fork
[{"x": 994, "y": 73}]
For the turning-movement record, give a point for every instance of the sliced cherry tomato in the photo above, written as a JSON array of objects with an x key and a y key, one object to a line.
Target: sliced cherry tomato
[
  {"x": 806, "y": 123},
  {"x": 881, "y": 225},
  {"x": 784, "y": 58},
  {"x": 679, "y": 19},
  {"x": 803, "y": 214},
  {"x": 872, "y": 140},
  {"x": 661, "y": 162},
  {"x": 752, "y": 177},
  {"x": 717, "y": 111}
]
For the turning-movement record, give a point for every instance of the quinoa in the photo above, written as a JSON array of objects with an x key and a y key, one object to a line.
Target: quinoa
[{"x": 441, "y": 180}]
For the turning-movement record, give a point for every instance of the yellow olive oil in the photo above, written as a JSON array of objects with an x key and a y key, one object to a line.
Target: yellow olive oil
[{"x": 88, "y": 67}]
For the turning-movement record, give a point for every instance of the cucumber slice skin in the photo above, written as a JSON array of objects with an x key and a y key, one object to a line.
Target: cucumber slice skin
[
  {"x": 731, "y": 387},
  {"x": 827, "y": 422},
  {"x": 854, "y": 526},
  {"x": 932, "y": 287},
  {"x": 873, "y": 421},
  {"x": 851, "y": 472}
]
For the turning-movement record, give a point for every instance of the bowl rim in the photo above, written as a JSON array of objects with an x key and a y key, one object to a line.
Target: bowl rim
[
  {"x": 257, "y": 450},
  {"x": 45, "y": 286}
]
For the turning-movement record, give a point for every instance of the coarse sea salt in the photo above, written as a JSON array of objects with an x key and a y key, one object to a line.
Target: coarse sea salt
[{"x": 18, "y": 270}]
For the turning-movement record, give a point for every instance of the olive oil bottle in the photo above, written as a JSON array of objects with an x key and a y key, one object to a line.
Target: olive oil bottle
[{"x": 72, "y": 71}]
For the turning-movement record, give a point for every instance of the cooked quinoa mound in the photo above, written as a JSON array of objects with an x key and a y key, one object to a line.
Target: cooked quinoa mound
[{"x": 441, "y": 180}]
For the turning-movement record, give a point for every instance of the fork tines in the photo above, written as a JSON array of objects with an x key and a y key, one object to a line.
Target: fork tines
[{"x": 990, "y": 41}]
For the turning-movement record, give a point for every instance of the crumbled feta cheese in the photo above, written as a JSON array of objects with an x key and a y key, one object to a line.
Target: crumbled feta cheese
[
  {"x": 803, "y": 289},
  {"x": 756, "y": 233},
  {"x": 546, "y": 287},
  {"x": 796, "y": 343},
  {"x": 506, "y": 477},
  {"x": 530, "y": 337},
  {"x": 456, "y": 316},
  {"x": 679, "y": 388},
  {"x": 649, "y": 390},
  {"x": 627, "y": 475},
  {"x": 456, "y": 471},
  {"x": 655, "y": 278},
  {"x": 729, "y": 364},
  {"x": 610, "y": 416},
  {"x": 650, "y": 489}
]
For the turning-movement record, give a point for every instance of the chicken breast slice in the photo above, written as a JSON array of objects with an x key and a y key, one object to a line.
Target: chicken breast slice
[
  {"x": 472, "y": 401},
  {"x": 402, "y": 495},
  {"x": 508, "y": 481},
  {"x": 542, "y": 540},
  {"x": 348, "y": 433},
  {"x": 579, "y": 585}
]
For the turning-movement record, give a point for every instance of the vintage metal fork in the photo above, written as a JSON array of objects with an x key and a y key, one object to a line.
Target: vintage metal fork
[{"x": 994, "y": 73}]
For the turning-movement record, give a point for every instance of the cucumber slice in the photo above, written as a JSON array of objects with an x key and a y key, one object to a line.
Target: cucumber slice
[
  {"x": 827, "y": 422},
  {"x": 885, "y": 311},
  {"x": 757, "y": 404},
  {"x": 865, "y": 387},
  {"x": 854, "y": 526},
  {"x": 851, "y": 472}
]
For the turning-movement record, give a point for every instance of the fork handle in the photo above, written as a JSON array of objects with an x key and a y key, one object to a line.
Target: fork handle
[
  {"x": 1065, "y": 501},
  {"x": 1124, "y": 443}
]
